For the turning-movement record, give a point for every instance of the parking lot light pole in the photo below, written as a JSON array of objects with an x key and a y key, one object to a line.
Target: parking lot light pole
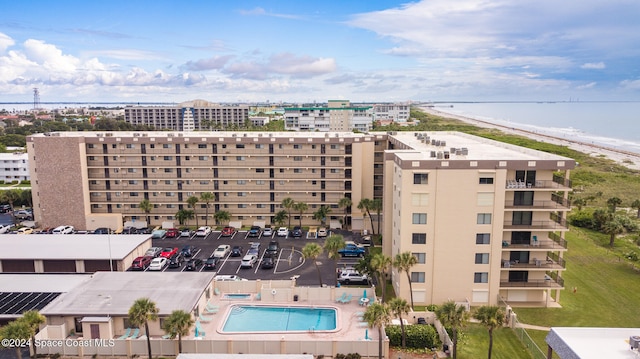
[{"x": 110, "y": 258}]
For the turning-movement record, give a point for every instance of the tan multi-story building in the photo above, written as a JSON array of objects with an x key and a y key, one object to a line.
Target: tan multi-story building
[
  {"x": 188, "y": 116},
  {"x": 84, "y": 179},
  {"x": 485, "y": 220}
]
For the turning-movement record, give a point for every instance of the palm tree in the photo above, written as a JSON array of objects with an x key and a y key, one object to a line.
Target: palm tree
[
  {"x": 34, "y": 319},
  {"x": 206, "y": 197},
  {"x": 321, "y": 214},
  {"x": 579, "y": 202},
  {"x": 300, "y": 208},
  {"x": 345, "y": 203},
  {"x": 280, "y": 217},
  {"x": 288, "y": 203},
  {"x": 146, "y": 207},
  {"x": 141, "y": 312},
  {"x": 378, "y": 315},
  {"x": 192, "y": 201},
  {"x": 454, "y": 316},
  {"x": 399, "y": 307},
  {"x": 491, "y": 317},
  {"x": 178, "y": 324},
  {"x": 313, "y": 251},
  {"x": 184, "y": 215},
  {"x": 613, "y": 203},
  {"x": 613, "y": 227},
  {"x": 404, "y": 262},
  {"x": 636, "y": 205},
  {"x": 365, "y": 206},
  {"x": 25, "y": 197},
  {"x": 376, "y": 206},
  {"x": 380, "y": 265},
  {"x": 18, "y": 329},
  {"x": 222, "y": 216},
  {"x": 333, "y": 244}
]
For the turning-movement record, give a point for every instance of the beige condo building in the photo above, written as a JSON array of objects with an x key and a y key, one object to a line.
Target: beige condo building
[{"x": 485, "y": 220}]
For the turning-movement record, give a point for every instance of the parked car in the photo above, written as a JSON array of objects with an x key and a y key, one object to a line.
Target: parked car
[
  {"x": 141, "y": 263},
  {"x": 267, "y": 232},
  {"x": 172, "y": 233},
  {"x": 237, "y": 251},
  {"x": 283, "y": 232},
  {"x": 158, "y": 233},
  {"x": 248, "y": 261},
  {"x": 5, "y": 208},
  {"x": 25, "y": 230},
  {"x": 228, "y": 278},
  {"x": 186, "y": 232},
  {"x": 188, "y": 250},
  {"x": 322, "y": 232},
  {"x": 193, "y": 264},
  {"x": 211, "y": 263},
  {"x": 351, "y": 250},
  {"x": 63, "y": 230},
  {"x": 297, "y": 231},
  {"x": 273, "y": 248},
  {"x": 176, "y": 260},
  {"x": 254, "y": 231},
  {"x": 168, "y": 252},
  {"x": 203, "y": 231},
  {"x": 228, "y": 231},
  {"x": 23, "y": 214},
  {"x": 222, "y": 251},
  {"x": 153, "y": 251},
  {"x": 102, "y": 230},
  {"x": 158, "y": 263},
  {"x": 4, "y": 228},
  {"x": 352, "y": 276},
  {"x": 255, "y": 249},
  {"x": 267, "y": 263}
]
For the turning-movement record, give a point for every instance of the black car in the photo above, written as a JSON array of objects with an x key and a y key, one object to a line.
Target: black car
[
  {"x": 176, "y": 260},
  {"x": 267, "y": 263},
  {"x": 273, "y": 248},
  {"x": 211, "y": 263},
  {"x": 297, "y": 231},
  {"x": 188, "y": 250},
  {"x": 102, "y": 230},
  {"x": 254, "y": 231},
  {"x": 237, "y": 251},
  {"x": 193, "y": 264}
]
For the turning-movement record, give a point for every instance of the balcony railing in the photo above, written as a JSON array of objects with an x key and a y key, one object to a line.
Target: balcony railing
[
  {"x": 551, "y": 224},
  {"x": 550, "y": 263},
  {"x": 543, "y": 245},
  {"x": 549, "y": 282},
  {"x": 557, "y": 183},
  {"x": 556, "y": 202}
]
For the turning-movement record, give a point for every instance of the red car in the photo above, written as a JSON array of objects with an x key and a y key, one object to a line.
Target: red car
[
  {"x": 168, "y": 252},
  {"x": 141, "y": 263},
  {"x": 228, "y": 231},
  {"x": 172, "y": 233}
]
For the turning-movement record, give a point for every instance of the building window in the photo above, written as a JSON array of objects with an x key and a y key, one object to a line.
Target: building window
[
  {"x": 297, "y": 158},
  {"x": 133, "y": 194},
  {"x": 133, "y": 182},
  {"x": 420, "y": 178},
  {"x": 421, "y": 257},
  {"x": 171, "y": 194},
  {"x": 92, "y": 158},
  {"x": 259, "y": 170},
  {"x": 417, "y": 277},
  {"x": 484, "y": 218},
  {"x": 297, "y": 147},
  {"x": 297, "y": 170},
  {"x": 168, "y": 158},
  {"x": 419, "y": 238},
  {"x": 261, "y": 205},
  {"x": 483, "y": 238},
  {"x": 480, "y": 277},
  {"x": 242, "y": 182},
  {"x": 242, "y": 194},
  {"x": 259, "y": 146},
  {"x": 240, "y": 158},
  {"x": 420, "y": 199},
  {"x": 239, "y": 145},
  {"x": 168, "y": 170},
  {"x": 260, "y": 182},
  {"x": 419, "y": 218},
  {"x": 486, "y": 180},
  {"x": 130, "y": 145},
  {"x": 482, "y": 258},
  {"x": 334, "y": 159},
  {"x": 202, "y": 145},
  {"x": 242, "y": 205},
  {"x": 166, "y": 145},
  {"x": 90, "y": 145},
  {"x": 202, "y": 158}
]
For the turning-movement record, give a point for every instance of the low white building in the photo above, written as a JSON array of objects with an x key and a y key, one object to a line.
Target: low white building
[{"x": 14, "y": 167}]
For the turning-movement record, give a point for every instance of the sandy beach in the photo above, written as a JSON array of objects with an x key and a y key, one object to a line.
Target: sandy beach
[{"x": 625, "y": 158}]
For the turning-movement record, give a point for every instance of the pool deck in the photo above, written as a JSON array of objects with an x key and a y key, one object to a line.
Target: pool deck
[{"x": 349, "y": 327}]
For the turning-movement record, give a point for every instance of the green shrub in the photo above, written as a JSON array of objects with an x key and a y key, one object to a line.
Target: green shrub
[
  {"x": 432, "y": 307},
  {"x": 632, "y": 256},
  {"x": 582, "y": 219},
  {"x": 417, "y": 336}
]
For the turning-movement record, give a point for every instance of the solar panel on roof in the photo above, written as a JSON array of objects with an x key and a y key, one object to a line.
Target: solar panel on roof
[{"x": 13, "y": 303}]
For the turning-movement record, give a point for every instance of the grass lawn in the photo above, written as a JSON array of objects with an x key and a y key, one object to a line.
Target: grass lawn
[{"x": 475, "y": 344}]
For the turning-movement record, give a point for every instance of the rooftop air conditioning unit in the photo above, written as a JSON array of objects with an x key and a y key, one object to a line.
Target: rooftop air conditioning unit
[{"x": 634, "y": 341}]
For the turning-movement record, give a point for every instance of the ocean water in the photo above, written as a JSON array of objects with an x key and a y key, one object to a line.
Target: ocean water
[{"x": 610, "y": 124}]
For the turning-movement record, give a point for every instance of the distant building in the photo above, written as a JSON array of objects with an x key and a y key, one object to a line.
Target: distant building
[
  {"x": 188, "y": 116},
  {"x": 338, "y": 116},
  {"x": 391, "y": 112},
  {"x": 259, "y": 120},
  {"x": 14, "y": 167}
]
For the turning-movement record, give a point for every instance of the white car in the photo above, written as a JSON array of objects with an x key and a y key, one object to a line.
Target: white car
[
  {"x": 63, "y": 230},
  {"x": 203, "y": 231},
  {"x": 322, "y": 232},
  {"x": 248, "y": 261},
  {"x": 267, "y": 232},
  {"x": 4, "y": 228},
  {"x": 283, "y": 232},
  {"x": 222, "y": 251},
  {"x": 158, "y": 263}
]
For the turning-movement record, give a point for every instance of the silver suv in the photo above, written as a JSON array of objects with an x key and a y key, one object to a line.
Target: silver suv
[{"x": 351, "y": 276}]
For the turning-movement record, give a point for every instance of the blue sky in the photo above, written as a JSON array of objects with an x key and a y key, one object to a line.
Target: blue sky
[{"x": 304, "y": 51}]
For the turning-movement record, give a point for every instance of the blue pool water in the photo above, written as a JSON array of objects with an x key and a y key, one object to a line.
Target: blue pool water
[{"x": 249, "y": 318}]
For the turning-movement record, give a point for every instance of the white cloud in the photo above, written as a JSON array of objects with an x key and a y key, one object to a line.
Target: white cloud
[
  {"x": 212, "y": 63},
  {"x": 282, "y": 64},
  {"x": 49, "y": 56},
  {"x": 593, "y": 66},
  {"x": 258, "y": 11},
  {"x": 5, "y": 42},
  {"x": 126, "y": 54}
]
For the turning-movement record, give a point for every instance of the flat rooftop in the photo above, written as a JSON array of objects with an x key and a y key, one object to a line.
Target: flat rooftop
[
  {"x": 583, "y": 343},
  {"x": 41, "y": 282},
  {"x": 204, "y": 134},
  {"x": 113, "y": 293},
  {"x": 69, "y": 246},
  {"x": 478, "y": 148}
]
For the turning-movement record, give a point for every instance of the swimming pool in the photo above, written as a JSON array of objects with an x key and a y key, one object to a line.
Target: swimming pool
[{"x": 275, "y": 319}]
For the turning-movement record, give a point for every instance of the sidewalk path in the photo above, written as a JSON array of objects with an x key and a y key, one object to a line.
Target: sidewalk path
[{"x": 534, "y": 327}]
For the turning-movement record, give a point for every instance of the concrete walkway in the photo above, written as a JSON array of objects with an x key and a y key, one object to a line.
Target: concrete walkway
[{"x": 534, "y": 327}]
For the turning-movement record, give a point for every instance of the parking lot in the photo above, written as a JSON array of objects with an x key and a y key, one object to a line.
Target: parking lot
[{"x": 289, "y": 261}]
